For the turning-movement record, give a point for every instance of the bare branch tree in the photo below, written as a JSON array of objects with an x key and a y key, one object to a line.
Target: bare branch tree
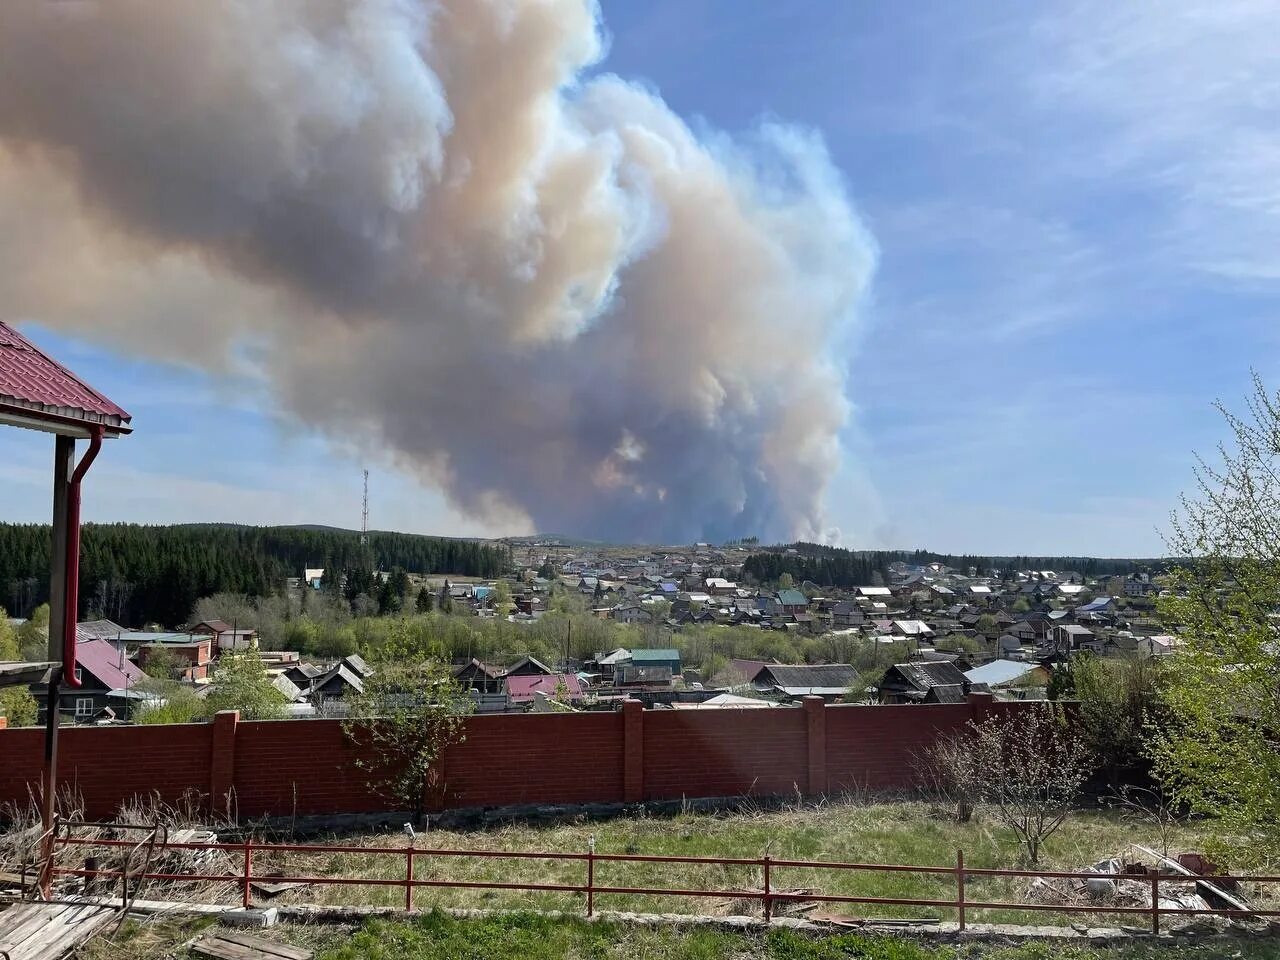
[{"x": 1024, "y": 765}]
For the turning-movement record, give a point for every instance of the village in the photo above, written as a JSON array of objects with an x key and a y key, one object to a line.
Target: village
[{"x": 926, "y": 634}]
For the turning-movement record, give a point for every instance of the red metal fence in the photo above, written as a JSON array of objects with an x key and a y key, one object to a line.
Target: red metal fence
[{"x": 768, "y": 895}]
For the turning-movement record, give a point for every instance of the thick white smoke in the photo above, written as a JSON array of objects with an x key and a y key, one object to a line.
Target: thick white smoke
[{"x": 535, "y": 285}]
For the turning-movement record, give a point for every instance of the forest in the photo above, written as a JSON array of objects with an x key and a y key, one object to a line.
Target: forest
[
  {"x": 135, "y": 574},
  {"x": 836, "y": 567}
]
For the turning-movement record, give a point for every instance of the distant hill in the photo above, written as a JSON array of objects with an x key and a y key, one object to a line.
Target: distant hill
[{"x": 137, "y": 574}]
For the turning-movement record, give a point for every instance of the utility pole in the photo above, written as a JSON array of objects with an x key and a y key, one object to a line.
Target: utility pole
[{"x": 364, "y": 515}]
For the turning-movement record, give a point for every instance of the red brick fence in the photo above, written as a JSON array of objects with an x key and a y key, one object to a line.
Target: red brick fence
[{"x": 307, "y": 767}]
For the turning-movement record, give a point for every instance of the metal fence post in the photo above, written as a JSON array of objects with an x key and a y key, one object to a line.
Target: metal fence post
[
  {"x": 248, "y": 868},
  {"x": 960, "y": 887},
  {"x": 591, "y": 875},
  {"x": 408, "y": 878},
  {"x": 768, "y": 898},
  {"x": 1155, "y": 903}
]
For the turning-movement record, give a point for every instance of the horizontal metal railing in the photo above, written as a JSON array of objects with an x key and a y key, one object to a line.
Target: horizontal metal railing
[{"x": 768, "y": 895}]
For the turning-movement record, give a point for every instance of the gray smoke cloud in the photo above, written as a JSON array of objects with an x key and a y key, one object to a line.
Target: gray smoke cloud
[{"x": 439, "y": 229}]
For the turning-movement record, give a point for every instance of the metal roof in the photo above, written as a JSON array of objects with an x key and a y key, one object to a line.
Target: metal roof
[
  {"x": 999, "y": 672},
  {"x": 38, "y": 392},
  {"x": 107, "y": 664},
  {"x": 807, "y": 676},
  {"x": 648, "y": 656},
  {"x": 521, "y": 689}
]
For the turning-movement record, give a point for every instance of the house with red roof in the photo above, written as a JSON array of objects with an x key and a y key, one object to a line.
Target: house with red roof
[
  {"x": 522, "y": 690},
  {"x": 104, "y": 674}
]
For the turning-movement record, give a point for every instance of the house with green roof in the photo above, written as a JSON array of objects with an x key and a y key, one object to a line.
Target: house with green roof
[
  {"x": 659, "y": 657},
  {"x": 793, "y": 602}
]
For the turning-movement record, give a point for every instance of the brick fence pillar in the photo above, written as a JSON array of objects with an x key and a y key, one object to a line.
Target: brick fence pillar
[
  {"x": 632, "y": 751},
  {"x": 222, "y": 761},
  {"x": 4, "y": 722},
  {"x": 815, "y": 714}
]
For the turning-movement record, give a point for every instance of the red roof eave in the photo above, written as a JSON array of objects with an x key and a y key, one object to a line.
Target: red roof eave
[{"x": 39, "y": 393}]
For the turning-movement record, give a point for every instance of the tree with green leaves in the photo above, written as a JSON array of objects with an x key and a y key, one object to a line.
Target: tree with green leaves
[
  {"x": 9, "y": 648},
  {"x": 410, "y": 711},
  {"x": 33, "y": 636},
  {"x": 1118, "y": 700},
  {"x": 19, "y": 707},
  {"x": 426, "y": 601},
  {"x": 500, "y": 598},
  {"x": 241, "y": 682},
  {"x": 1216, "y": 748}
]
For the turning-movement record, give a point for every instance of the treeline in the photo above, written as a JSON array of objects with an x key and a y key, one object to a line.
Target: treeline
[
  {"x": 137, "y": 574},
  {"x": 837, "y": 567}
]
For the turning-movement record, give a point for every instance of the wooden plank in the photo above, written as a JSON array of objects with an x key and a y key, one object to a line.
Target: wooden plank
[
  {"x": 225, "y": 945},
  {"x": 217, "y": 949},
  {"x": 273, "y": 948},
  {"x": 49, "y": 931}
]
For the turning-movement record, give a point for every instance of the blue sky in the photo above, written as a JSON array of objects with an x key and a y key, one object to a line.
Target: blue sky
[{"x": 1077, "y": 210}]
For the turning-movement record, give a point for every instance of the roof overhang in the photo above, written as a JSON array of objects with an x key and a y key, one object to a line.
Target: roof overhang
[
  {"x": 23, "y": 673},
  {"x": 64, "y": 425}
]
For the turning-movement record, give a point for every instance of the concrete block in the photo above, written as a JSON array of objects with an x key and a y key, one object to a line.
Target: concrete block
[{"x": 265, "y": 917}]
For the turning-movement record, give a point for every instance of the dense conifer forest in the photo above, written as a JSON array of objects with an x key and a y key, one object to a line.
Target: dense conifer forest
[
  {"x": 837, "y": 567},
  {"x": 137, "y": 574}
]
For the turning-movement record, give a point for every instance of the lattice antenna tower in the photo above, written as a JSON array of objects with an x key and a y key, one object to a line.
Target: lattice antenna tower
[{"x": 364, "y": 513}]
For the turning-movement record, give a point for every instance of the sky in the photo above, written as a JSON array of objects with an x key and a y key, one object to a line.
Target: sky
[{"x": 1076, "y": 208}]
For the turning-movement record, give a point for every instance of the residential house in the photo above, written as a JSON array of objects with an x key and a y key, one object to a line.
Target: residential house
[
  {"x": 830, "y": 681},
  {"x": 192, "y": 653},
  {"x": 609, "y": 663},
  {"x": 226, "y": 636},
  {"x": 630, "y": 613},
  {"x": 660, "y": 657},
  {"x": 101, "y": 669},
  {"x": 925, "y": 682},
  {"x": 847, "y": 613},
  {"x": 1067, "y": 638},
  {"x": 527, "y": 667},
  {"x": 98, "y": 630},
  {"x": 792, "y": 602},
  {"x": 914, "y": 629},
  {"x": 477, "y": 675},
  {"x": 336, "y": 683},
  {"x": 1004, "y": 675},
  {"x": 524, "y": 689}
]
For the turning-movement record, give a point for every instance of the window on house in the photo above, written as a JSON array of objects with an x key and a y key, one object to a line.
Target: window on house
[
  {"x": 79, "y": 675},
  {"x": 84, "y": 706}
]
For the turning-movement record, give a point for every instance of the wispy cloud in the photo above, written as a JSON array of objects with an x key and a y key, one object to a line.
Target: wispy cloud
[{"x": 1182, "y": 99}]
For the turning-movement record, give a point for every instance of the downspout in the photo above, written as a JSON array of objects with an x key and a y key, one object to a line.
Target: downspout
[{"x": 72, "y": 598}]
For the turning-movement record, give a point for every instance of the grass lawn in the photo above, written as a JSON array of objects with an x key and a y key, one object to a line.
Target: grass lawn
[
  {"x": 898, "y": 832},
  {"x": 529, "y": 937}
]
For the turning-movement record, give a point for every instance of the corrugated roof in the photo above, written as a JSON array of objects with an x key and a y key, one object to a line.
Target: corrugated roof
[
  {"x": 34, "y": 385},
  {"x": 649, "y": 656},
  {"x": 926, "y": 674},
  {"x": 792, "y": 598},
  {"x": 825, "y": 675},
  {"x": 103, "y": 661},
  {"x": 520, "y": 689},
  {"x": 999, "y": 672}
]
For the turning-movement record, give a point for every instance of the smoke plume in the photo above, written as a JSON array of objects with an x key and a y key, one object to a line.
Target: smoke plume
[{"x": 443, "y": 229}]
